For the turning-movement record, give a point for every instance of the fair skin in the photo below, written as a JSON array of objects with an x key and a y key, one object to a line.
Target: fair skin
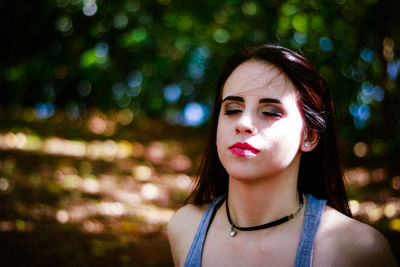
[{"x": 260, "y": 108}]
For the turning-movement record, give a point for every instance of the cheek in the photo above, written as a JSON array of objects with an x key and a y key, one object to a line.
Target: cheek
[
  {"x": 219, "y": 135},
  {"x": 221, "y": 130},
  {"x": 220, "y": 143},
  {"x": 291, "y": 131}
]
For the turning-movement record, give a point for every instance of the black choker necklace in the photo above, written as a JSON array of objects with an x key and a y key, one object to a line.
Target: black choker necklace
[{"x": 234, "y": 228}]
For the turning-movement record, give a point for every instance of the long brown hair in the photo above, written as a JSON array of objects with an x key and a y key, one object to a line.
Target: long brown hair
[{"x": 320, "y": 172}]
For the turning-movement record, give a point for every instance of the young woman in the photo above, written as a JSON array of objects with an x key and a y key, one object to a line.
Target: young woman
[{"x": 270, "y": 190}]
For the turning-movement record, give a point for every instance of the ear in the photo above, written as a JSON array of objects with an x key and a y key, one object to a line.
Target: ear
[{"x": 310, "y": 140}]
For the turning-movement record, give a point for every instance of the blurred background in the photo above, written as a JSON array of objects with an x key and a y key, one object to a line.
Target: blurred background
[{"x": 105, "y": 104}]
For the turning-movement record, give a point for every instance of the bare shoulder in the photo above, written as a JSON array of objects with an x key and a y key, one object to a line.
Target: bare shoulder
[
  {"x": 181, "y": 230},
  {"x": 343, "y": 241},
  {"x": 186, "y": 219}
]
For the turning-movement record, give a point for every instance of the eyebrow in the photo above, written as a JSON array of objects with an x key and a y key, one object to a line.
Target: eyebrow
[{"x": 262, "y": 100}]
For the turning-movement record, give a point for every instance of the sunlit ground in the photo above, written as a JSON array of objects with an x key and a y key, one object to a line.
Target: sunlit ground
[
  {"x": 99, "y": 190},
  {"x": 91, "y": 187}
]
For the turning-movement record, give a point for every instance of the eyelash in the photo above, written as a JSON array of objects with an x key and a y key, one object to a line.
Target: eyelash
[
  {"x": 274, "y": 115},
  {"x": 269, "y": 114},
  {"x": 232, "y": 111}
]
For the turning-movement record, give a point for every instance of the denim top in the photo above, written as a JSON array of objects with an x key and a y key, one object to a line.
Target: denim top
[{"x": 312, "y": 218}]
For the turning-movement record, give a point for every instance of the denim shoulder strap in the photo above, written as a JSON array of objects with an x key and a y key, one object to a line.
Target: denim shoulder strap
[
  {"x": 312, "y": 218},
  {"x": 193, "y": 259}
]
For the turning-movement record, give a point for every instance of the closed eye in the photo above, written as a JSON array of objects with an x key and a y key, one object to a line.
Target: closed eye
[
  {"x": 232, "y": 111},
  {"x": 273, "y": 114}
]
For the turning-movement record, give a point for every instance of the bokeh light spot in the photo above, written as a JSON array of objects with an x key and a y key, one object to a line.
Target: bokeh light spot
[
  {"x": 390, "y": 210},
  {"x": 289, "y": 9},
  {"x": 393, "y": 69},
  {"x": 118, "y": 90},
  {"x": 149, "y": 191},
  {"x": 90, "y": 185},
  {"x": 135, "y": 79},
  {"x": 360, "y": 149},
  {"x": 93, "y": 226},
  {"x": 395, "y": 224},
  {"x": 97, "y": 123},
  {"x": 84, "y": 88},
  {"x": 388, "y": 48},
  {"x": 101, "y": 50},
  {"x": 89, "y": 8},
  {"x": 125, "y": 116},
  {"x": 185, "y": 23},
  {"x": 354, "y": 206},
  {"x": 142, "y": 173},
  {"x": 326, "y": 44},
  {"x": 374, "y": 212},
  {"x": 300, "y": 22},
  {"x": 44, "y": 110},
  {"x": 221, "y": 35},
  {"x": 194, "y": 114},
  {"x": 379, "y": 94},
  {"x": 20, "y": 225},
  {"x": 317, "y": 23},
  {"x": 62, "y": 216},
  {"x": 249, "y": 8},
  {"x": 64, "y": 24},
  {"x": 180, "y": 163},
  {"x": 358, "y": 74},
  {"x": 120, "y": 21},
  {"x": 133, "y": 91},
  {"x": 360, "y": 114},
  {"x": 367, "y": 55},
  {"x": 196, "y": 70},
  {"x": 300, "y": 37},
  {"x": 156, "y": 152},
  {"x": 358, "y": 177},
  {"x": 4, "y": 184},
  {"x": 135, "y": 36},
  {"x": 172, "y": 93},
  {"x": 396, "y": 183},
  {"x": 183, "y": 181}
]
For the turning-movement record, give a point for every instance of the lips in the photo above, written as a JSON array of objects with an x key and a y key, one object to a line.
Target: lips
[{"x": 243, "y": 150}]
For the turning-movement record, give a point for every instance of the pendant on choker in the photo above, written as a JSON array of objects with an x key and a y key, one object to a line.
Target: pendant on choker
[
  {"x": 232, "y": 233},
  {"x": 235, "y": 228}
]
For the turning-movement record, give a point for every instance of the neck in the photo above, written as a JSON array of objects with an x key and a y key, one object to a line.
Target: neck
[{"x": 262, "y": 201}]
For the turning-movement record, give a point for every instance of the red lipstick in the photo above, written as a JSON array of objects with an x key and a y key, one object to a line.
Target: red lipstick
[{"x": 243, "y": 150}]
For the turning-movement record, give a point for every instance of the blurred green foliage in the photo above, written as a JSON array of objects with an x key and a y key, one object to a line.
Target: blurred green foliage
[
  {"x": 73, "y": 54},
  {"x": 162, "y": 58}
]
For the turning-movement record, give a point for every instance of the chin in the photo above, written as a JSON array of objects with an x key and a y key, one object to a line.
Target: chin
[
  {"x": 244, "y": 176},
  {"x": 252, "y": 173}
]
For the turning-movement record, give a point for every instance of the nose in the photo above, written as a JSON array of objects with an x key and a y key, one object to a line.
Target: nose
[{"x": 245, "y": 125}]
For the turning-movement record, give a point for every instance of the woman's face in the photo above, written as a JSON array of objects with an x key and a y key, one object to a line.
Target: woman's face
[{"x": 260, "y": 127}]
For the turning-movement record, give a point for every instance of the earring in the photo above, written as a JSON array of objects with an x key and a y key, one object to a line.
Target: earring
[{"x": 306, "y": 145}]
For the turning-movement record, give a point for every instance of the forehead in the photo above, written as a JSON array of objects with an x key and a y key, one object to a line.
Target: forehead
[{"x": 258, "y": 79}]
